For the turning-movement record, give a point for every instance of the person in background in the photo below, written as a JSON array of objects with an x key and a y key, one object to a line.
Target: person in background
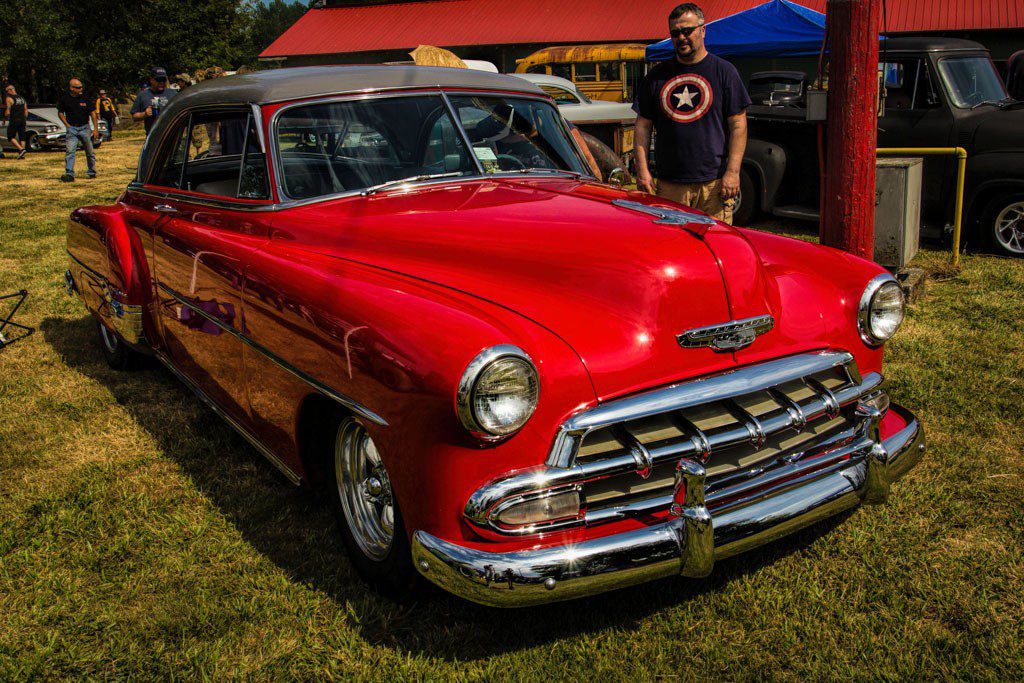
[
  {"x": 697, "y": 104},
  {"x": 1015, "y": 76},
  {"x": 17, "y": 118},
  {"x": 75, "y": 111},
  {"x": 149, "y": 102},
  {"x": 106, "y": 110},
  {"x": 181, "y": 81}
]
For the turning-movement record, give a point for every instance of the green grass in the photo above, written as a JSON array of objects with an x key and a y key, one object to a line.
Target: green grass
[{"x": 140, "y": 537}]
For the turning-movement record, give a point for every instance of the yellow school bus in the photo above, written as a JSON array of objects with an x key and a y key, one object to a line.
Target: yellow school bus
[{"x": 608, "y": 72}]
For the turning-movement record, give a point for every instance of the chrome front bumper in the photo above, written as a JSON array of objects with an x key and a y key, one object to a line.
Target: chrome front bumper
[{"x": 689, "y": 542}]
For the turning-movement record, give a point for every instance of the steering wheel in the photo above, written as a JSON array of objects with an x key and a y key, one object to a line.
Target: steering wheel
[{"x": 515, "y": 163}]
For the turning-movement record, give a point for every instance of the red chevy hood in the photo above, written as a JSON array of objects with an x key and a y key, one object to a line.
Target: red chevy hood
[{"x": 613, "y": 284}]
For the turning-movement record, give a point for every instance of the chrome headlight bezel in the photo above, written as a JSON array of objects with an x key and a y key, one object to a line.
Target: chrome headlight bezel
[
  {"x": 864, "y": 311},
  {"x": 476, "y": 370}
]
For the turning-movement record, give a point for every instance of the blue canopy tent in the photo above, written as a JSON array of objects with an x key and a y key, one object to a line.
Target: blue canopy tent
[{"x": 778, "y": 28}]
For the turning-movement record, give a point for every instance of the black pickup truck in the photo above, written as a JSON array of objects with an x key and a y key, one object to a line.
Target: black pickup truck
[{"x": 940, "y": 92}]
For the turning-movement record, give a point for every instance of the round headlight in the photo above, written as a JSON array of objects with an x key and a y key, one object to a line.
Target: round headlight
[
  {"x": 498, "y": 392},
  {"x": 881, "y": 311}
]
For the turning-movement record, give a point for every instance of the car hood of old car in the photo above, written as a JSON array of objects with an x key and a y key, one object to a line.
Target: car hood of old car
[{"x": 610, "y": 281}]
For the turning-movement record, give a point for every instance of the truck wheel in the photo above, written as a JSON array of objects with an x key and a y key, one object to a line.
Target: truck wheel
[
  {"x": 118, "y": 355},
  {"x": 32, "y": 144},
  {"x": 607, "y": 159},
  {"x": 746, "y": 206},
  {"x": 367, "y": 512},
  {"x": 1004, "y": 222}
]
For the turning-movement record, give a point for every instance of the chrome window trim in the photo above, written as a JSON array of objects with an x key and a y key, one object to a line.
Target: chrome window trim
[
  {"x": 864, "y": 308},
  {"x": 463, "y": 393},
  {"x": 327, "y": 391},
  {"x": 227, "y": 203}
]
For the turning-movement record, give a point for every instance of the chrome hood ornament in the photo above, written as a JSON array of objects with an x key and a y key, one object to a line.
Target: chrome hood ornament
[
  {"x": 730, "y": 336},
  {"x": 669, "y": 216}
]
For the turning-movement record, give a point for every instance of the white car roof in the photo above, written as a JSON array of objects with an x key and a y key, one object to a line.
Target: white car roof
[{"x": 545, "y": 79}]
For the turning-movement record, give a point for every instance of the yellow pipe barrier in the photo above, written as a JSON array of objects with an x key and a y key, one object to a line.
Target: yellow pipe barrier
[{"x": 961, "y": 154}]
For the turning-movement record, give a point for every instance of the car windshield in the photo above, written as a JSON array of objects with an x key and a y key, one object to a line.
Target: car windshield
[
  {"x": 511, "y": 134},
  {"x": 363, "y": 145},
  {"x": 972, "y": 81},
  {"x": 335, "y": 147}
]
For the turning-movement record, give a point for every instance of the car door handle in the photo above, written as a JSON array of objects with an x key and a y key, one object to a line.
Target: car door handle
[{"x": 165, "y": 208}]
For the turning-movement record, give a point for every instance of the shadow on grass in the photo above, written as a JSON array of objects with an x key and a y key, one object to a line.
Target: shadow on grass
[{"x": 295, "y": 531}]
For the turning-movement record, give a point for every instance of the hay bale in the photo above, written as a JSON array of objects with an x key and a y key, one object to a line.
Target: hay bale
[{"x": 428, "y": 55}]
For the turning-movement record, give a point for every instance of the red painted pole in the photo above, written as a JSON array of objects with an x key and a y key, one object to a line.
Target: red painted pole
[{"x": 848, "y": 189}]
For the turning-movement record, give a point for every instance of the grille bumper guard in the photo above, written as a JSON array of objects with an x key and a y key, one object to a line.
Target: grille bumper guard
[{"x": 692, "y": 538}]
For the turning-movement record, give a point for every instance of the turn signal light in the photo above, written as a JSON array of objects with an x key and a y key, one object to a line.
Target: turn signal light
[{"x": 540, "y": 510}]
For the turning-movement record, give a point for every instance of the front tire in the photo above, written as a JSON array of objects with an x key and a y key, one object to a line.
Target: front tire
[
  {"x": 32, "y": 144},
  {"x": 367, "y": 512},
  {"x": 1004, "y": 224},
  {"x": 116, "y": 352}
]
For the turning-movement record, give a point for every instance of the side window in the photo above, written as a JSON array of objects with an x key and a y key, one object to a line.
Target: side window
[
  {"x": 586, "y": 72},
  {"x": 170, "y": 170},
  {"x": 562, "y": 71},
  {"x": 215, "y": 150},
  {"x": 537, "y": 69},
  {"x": 254, "y": 183},
  {"x": 560, "y": 95},
  {"x": 609, "y": 71}
]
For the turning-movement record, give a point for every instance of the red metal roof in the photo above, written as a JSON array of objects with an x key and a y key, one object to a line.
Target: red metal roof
[{"x": 453, "y": 23}]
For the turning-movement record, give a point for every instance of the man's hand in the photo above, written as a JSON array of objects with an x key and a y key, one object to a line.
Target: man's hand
[
  {"x": 96, "y": 134},
  {"x": 149, "y": 112},
  {"x": 644, "y": 182},
  {"x": 730, "y": 185}
]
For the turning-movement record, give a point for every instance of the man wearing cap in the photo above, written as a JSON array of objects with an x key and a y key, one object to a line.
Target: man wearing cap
[
  {"x": 75, "y": 111},
  {"x": 149, "y": 102},
  {"x": 107, "y": 111}
]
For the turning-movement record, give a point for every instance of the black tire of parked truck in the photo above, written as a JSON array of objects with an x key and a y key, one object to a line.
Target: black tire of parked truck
[
  {"x": 747, "y": 205},
  {"x": 1002, "y": 224},
  {"x": 116, "y": 352},
  {"x": 607, "y": 159}
]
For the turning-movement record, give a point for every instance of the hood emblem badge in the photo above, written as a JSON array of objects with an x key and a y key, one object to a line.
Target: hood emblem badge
[
  {"x": 730, "y": 336},
  {"x": 667, "y": 215}
]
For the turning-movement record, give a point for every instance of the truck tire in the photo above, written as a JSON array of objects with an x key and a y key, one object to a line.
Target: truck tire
[
  {"x": 1003, "y": 224},
  {"x": 366, "y": 509},
  {"x": 746, "y": 206},
  {"x": 116, "y": 352},
  {"x": 607, "y": 159}
]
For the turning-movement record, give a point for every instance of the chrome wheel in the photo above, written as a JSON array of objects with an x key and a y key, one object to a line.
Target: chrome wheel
[
  {"x": 1009, "y": 228},
  {"x": 110, "y": 341},
  {"x": 364, "y": 490}
]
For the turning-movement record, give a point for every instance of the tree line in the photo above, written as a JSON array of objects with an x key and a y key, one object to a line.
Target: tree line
[{"x": 112, "y": 43}]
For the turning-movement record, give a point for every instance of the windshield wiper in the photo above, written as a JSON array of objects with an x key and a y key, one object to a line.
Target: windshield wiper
[
  {"x": 1009, "y": 102},
  {"x": 984, "y": 102},
  {"x": 411, "y": 179},
  {"x": 535, "y": 169}
]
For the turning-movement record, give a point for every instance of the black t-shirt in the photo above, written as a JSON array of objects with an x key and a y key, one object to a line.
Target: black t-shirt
[
  {"x": 690, "y": 105},
  {"x": 76, "y": 108},
  {"x": 15, "y": 112}
]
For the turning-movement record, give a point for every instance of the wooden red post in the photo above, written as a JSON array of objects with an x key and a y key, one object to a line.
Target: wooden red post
[{"x": 848, "y": 199}]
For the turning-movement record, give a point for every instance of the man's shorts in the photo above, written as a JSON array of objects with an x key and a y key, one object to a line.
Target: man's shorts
[
  {"x": 706, "y": 197},
  {"x": 16, "y": 130}
]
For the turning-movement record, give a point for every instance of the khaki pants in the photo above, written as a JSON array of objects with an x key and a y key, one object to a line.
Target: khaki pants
[{"x": 706, "y": 197}]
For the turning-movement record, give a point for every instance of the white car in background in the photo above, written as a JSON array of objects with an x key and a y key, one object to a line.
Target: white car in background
[{"x": 44, "y": 130}]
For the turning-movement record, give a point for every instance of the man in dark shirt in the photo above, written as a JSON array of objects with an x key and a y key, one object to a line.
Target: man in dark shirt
[
  {"x": 697, "y": 104},
  {"x": 17, "y": 118},
  {"x": 75, "y": 111},
  {"x": 150, "y": 101}
]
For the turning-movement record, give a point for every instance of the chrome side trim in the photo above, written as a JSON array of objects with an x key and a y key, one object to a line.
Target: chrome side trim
[
  {"x": 726, "y": 385},
  {"x": 327, "y": 391},
  {"x": 291, "y": 474},
  {"x": 678, "y": 546}
]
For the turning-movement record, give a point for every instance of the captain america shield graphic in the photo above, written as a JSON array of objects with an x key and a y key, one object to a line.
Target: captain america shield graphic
[{"x": 686, "y": 98}]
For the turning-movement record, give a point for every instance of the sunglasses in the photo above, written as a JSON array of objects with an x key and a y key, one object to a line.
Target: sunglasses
[
  {"x": 76, "y": 87},
  {"x": 686, "y": 31}
]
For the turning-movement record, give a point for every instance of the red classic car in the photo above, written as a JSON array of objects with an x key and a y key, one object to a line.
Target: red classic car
[{"x": 400, "y": 284}]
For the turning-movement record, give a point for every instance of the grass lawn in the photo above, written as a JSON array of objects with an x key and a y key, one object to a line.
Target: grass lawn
[{"x": 140, "y": 536}]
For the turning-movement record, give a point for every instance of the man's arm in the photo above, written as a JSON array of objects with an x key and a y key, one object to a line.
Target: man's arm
[
  {"x": 140, "y": 113},
  {"x": 95, "y": 124},
  {"x": 642, "y": 134},
  {"x": 60, "y": 114},
  {"x": 737, "y": 146}
]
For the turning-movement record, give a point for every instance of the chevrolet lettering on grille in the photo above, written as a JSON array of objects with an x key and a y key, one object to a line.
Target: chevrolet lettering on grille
[{"x": 730, "y": 336}]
